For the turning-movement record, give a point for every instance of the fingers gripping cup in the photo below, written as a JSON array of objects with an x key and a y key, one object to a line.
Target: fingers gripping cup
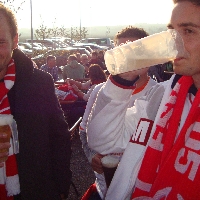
[
  {"x": 152, "y": 50},
  {"x": 5, "y": 122},
  {"x": 109, "y": 165}
]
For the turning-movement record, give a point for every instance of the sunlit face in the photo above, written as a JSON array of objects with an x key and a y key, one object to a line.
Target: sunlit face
[
  {"x": 84, "y": 60},
  {"x": 94, "y": 56},
  {"x": 186, "y": 20},
  {"x": 7, "y": 44}
]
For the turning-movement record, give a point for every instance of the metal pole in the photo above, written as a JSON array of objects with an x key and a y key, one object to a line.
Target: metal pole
[
  {"x": 80, "y": 18},
  {"x": 31, "y": 25}
]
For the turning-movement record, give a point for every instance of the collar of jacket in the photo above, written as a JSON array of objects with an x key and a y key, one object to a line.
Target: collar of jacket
[
  {"x": 192, "y": 89},
  {"x": 24, "y": 65}
]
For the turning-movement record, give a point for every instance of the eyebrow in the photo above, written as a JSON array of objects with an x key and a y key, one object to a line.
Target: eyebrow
[{"x": 184, "y": 25}]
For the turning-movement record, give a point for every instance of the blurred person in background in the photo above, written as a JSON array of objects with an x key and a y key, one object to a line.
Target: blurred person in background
[
  {"x": 101, "y": 57},
  {"x": 50, "y": 67},
  {"x": 95, "y": 60},
  {"x": 78, "y": 56},
  {"x": 73, "y": 69},
  {"x": 96, "y": 76},
  {"x": 85, "y": 63}
]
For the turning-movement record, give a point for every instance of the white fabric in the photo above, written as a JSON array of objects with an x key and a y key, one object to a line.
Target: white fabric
[
  {"x": 89, "y": 105},
  {"x": 12, "y": 185},
  {"x": 86, "y": 85},
  {"x": 108, "y": 139},
  {"x": 87, "y": 95},
  {"x": 131, "y": 160},
  {"x": 150, "y": 84},
  {"x": 110, "y": 117},
  {"x": 100, "y": 180},
  {"x": 129, "y": 165},
  {"x": 61, "y": 94},
  {"x": 8, "y": 84}
]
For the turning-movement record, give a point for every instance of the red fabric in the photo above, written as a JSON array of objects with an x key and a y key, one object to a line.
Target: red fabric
[
  {"x": 71, "y": 96},
  {"x": 11, "y": 166},
  {"x": 5, "y": 86},
  {"x": 63, "y": 87},
  {"x": 137, "y": 90},
  {"x": 66, "y": 88},
  {"x": 3, "y": 193},
  {"x": 171, "y": 170},
  {"x": 92, "y": 189},
  {"x": 4, "y": 90}
]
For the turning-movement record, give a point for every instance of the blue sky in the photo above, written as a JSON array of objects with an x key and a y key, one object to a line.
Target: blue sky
[{"x": 93, "y": 13}]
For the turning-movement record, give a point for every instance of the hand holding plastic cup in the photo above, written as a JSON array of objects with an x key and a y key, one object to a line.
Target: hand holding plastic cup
[
  {"x": 5, "y": 122},
  {"x": 109, "y": 165},
  {"x": 148, "y": 51}
]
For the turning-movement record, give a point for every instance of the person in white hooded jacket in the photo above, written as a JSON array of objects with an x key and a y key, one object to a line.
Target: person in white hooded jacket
[
  {"x": 162, "y": 157},
  {"x": 129, "y": 33}
]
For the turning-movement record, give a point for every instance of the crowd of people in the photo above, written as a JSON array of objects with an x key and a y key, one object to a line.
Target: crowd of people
[{"x": 147, "y": 121}]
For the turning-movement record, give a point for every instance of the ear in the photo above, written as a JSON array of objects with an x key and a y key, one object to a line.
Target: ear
[{"x": 15, "y": 41}]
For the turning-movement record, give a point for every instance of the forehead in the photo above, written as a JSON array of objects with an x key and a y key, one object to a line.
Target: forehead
[
  {"x": 3, "y": 24},
  {"x": 185, "y": 13}
]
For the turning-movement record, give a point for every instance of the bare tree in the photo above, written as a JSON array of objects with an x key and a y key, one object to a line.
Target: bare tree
[
  {"x": 78, "y": 33},
  {"x": 107, "y": 31},
  {"x": 13, "y": 5},
  {"x": 64, "y": 32}
]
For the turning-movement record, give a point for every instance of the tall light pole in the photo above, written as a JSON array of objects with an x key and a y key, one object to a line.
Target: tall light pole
[
  {"x": 31, "y": 25},
  {"x": 80, "y": 17}
]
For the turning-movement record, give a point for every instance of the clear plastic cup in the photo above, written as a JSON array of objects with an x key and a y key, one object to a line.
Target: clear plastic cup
[
  {"x": 152, "y": 50},
  {"x": 109, "y": 165},
  {"x": 5, "y": 123}
]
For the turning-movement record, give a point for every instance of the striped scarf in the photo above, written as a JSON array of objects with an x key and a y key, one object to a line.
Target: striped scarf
[
  {"x": 9, "y": 180},
  {"x": 170, "y": 168}
]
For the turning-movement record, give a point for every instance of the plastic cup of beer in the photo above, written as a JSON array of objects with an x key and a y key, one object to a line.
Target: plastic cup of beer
[
  {"x": 148, "y": 51},
  {"x": 109, "y": 165},
  {"x": 5, "y": 122}
]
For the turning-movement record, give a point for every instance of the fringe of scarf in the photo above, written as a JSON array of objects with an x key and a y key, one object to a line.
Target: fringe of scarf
[
  {"x": 170, "y": 168},
  {"x": 9, "y": 179}
]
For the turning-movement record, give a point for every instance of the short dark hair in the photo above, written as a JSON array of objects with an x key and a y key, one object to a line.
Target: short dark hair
[
  {"x": 94, "y": 53},
  {"x": 72, "y": 57},
  {"x": 131, "y": 31},
  {"x": 96, "y": 73},
  {"x": 195, "y": 2},
  {"x": 11, "y": 19}
]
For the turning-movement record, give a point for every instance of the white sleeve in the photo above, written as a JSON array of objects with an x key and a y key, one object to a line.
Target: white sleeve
[
  {"x": 89, "y": 105},
  {"x": 83, "y": 136},
  {"x": 111, "y": 124},
  {"x": 86, "y": 85},
  {"x": 87, "y": 95}
]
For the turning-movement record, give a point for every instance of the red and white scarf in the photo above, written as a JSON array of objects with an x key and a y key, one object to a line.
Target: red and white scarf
[
  {"x": 171, "y": 166},
  {"x": 9, "y": 180}
]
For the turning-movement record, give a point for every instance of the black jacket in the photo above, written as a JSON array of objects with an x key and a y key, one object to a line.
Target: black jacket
[{"x": 44, "y": 141}]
